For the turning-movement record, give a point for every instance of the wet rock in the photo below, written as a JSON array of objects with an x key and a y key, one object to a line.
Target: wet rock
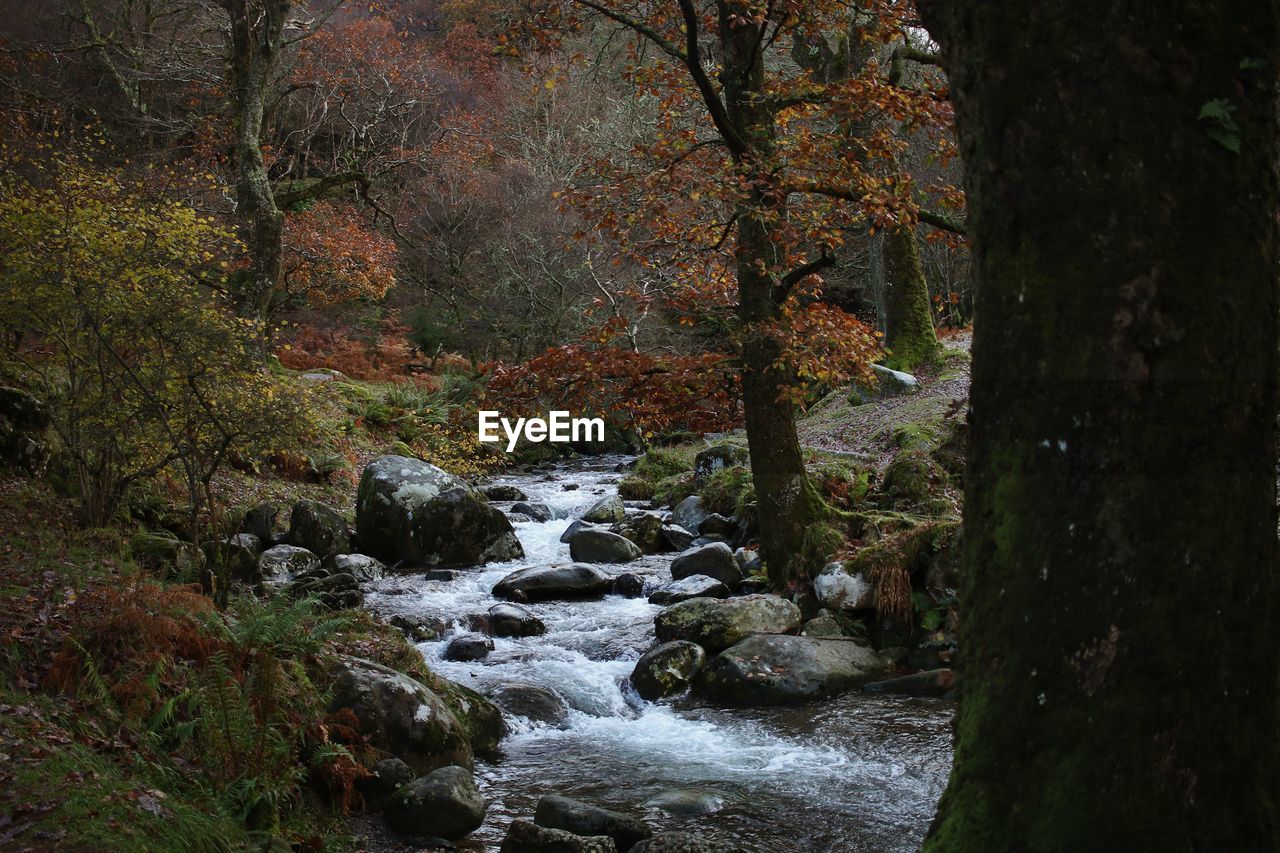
[
  {"x": 718, "y": 458},
  {"x": 539, "y": 704},
  {"x": 439, "y": 575},
  {"x": 932, "y": 682},
  {"x": 714, "y": 561},
  {"x": 552, "y": 583},
  {"x": 717, "y": 526},
  {"x": 360, "y": 566},
  {"x": 319, "y": 528},
  {"x": 717, "y": 624},
  {"x": 694, "y": 586},
  {"x": 443, "y": 804},
  {"x": 512, "y": 620},
  {"x": 686, "y": 802},
  {"x": 389, "y": 775},
  {"x": 411, "y": 512},
  {"x": 683, "y": 842},
  {"x": 535, "y": 511},
  {"x": 689, "y": 513},
  {"x": 677, "y": 537},
  {"x": 419, "y": 629},
  {"x": 556, "y": 812},
  {"x": 260, "y": 521},
  {"x": 783, "y": 670},
  {"x": 526, "y": 837},
  {"x": 503, "y": 492},
  {"x": 467, "y": 647},
  {"x": 282, "y": 563},
  {"x": 667, "y": 670},
  {"x": 628, "y": 585},
  {"x": 574, "y": 527},
  {"x": 645, "y": 530},
  {"x": 570, "y": 487},
  {"x": 596, "y": 545},
  {"x": 400, "y": 715},
  {"x": 839, "y": 589},
  {"x": 606, "y": 511}
]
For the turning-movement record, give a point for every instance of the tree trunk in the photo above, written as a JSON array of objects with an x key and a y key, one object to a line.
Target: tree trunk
[
  {"x": 791, "y": 513},
  {"x": 1119, "y": 595},
  {"x": 256, "y": 42},
  {"x": 908, "y": 326}
]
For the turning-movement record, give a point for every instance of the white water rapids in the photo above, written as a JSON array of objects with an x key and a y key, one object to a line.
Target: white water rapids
[{"x": 858, "y": 773}]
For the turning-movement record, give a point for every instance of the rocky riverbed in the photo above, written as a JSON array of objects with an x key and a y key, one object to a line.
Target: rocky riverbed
[{"x": 857, "y": 771}]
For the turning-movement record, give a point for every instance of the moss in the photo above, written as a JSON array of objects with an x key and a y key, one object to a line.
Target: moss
[
  {"x": 909, "y": 333},
  {"x": 728, "y": 491}
]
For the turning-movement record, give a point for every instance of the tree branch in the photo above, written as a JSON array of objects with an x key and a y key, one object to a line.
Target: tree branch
[
  {"x": 904, "y": 53},
  {"x": 784, "y": 286},
  {"x": 320, "y": 186},
  {"x": 941, "y": 221},
  {"x": 693, "y": 61}
]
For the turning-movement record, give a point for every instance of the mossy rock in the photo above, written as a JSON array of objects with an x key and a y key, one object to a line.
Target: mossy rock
[{"x": 913, "y": 478}]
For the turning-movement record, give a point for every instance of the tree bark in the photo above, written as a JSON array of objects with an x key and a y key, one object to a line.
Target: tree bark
[
  {"x": 1120, "y": 595},
  {"x": 908, "y": 328},
  {"x": 790, "y": 510},
  {"x": 255, "y": 46}
]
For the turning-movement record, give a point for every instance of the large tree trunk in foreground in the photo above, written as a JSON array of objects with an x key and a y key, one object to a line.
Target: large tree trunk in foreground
[{"x": 1120, "y": 676}]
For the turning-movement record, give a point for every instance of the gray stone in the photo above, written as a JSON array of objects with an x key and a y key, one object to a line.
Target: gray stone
[
  {"x": 683, "y": 842},
  {"x": 556, "y": 582},
  {"x": 512, "y": 620},
  {"x": 687, "y": 802},
  {"x": 717, "y": 624},
  {"x": 782, "y": 670},
  {"x": 420, "y": 629},
  {"x": 628, "y": 585},
  {"x": 667, "y": 670},
  {"x": 824, "y": 625},
  {"x": 606, "y": 511},
  {"x": 535, "y": 511},
  {"x": 556, "y": 812},
  {"x": 526, "y": 837},
  {"x": 283, "y": 563},
  {"x": 596, "y": 545},
  {"x": 319, "y": 528},
  {"x": 689, "y": 513},
  {"x": 400, "y": 715},
  {"x": 260, "y": 521},
  {"x": 694, "y": 586},
  {"x": 646, "y": 531},
  {"x": 466, "y": 647},
  {"x": 361, "y": 566},
  {"x": 574, "y": 527},
  {"x": 839, "y": 589},
  {"x": 718, "y": 458},
  {"x": 720, "y": 526},
  {"x": 443, "y": 804},
  {"x": 389, "y": 775},
  {"x": 503, "y": 492},
  {"x": 677, "y": 537},
  {"x": 539, "y": 704},
  {"x": 714, "y": 560},
  {"x": 411, "y": 512}
]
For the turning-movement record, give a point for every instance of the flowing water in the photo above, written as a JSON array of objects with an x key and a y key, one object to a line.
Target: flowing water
[{"x": 861, "y": 772}]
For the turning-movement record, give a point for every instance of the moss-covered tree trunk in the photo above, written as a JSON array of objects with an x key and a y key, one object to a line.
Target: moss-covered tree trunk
[
  {"x": 908, "y": 318},
  {"x": 1120, "y": 597}
]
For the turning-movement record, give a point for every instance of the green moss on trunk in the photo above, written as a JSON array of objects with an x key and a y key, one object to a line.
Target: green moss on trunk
[
  {"x": 909, "y": 333},
  {"x": 1119, "y": 590}
]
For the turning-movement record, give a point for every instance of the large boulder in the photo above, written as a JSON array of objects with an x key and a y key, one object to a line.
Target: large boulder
[
  {"x": 782, "y": 670},
  {"x": 605, "y": 511},
  {"x": 260, "y": 521},
  {"x": 714, "y": 561},
  {"x": 574, "y": 526},
  {"x": 596, "y": 545},
  {"x": 837, "y": 588},
  {"x": 668, "y": 669},
  {"x": 319, "y": 528},
  {"x": 539, "y": 704},
  {"x": 689, "y": 513},
  {"x": 468, "y": 647},
  {"x": 556, "y": 812},
  {"x": 719, "y": 457},
  {"x": 512, "y": 620},
  {"x": 411, "y": 512},
  {"x": 526, "y": 837},
  {"x": 400, "y": 715},
  {"x": 285, "y": 562},
  {"x": 557, "y": 582},
  {"x": 694, "y": 586},
  {"x": 717, "y": 624},
  {"x": 443, "y": 804}
]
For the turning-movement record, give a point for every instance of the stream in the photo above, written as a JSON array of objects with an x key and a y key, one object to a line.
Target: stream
[{"x": 862, "y": 772}]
